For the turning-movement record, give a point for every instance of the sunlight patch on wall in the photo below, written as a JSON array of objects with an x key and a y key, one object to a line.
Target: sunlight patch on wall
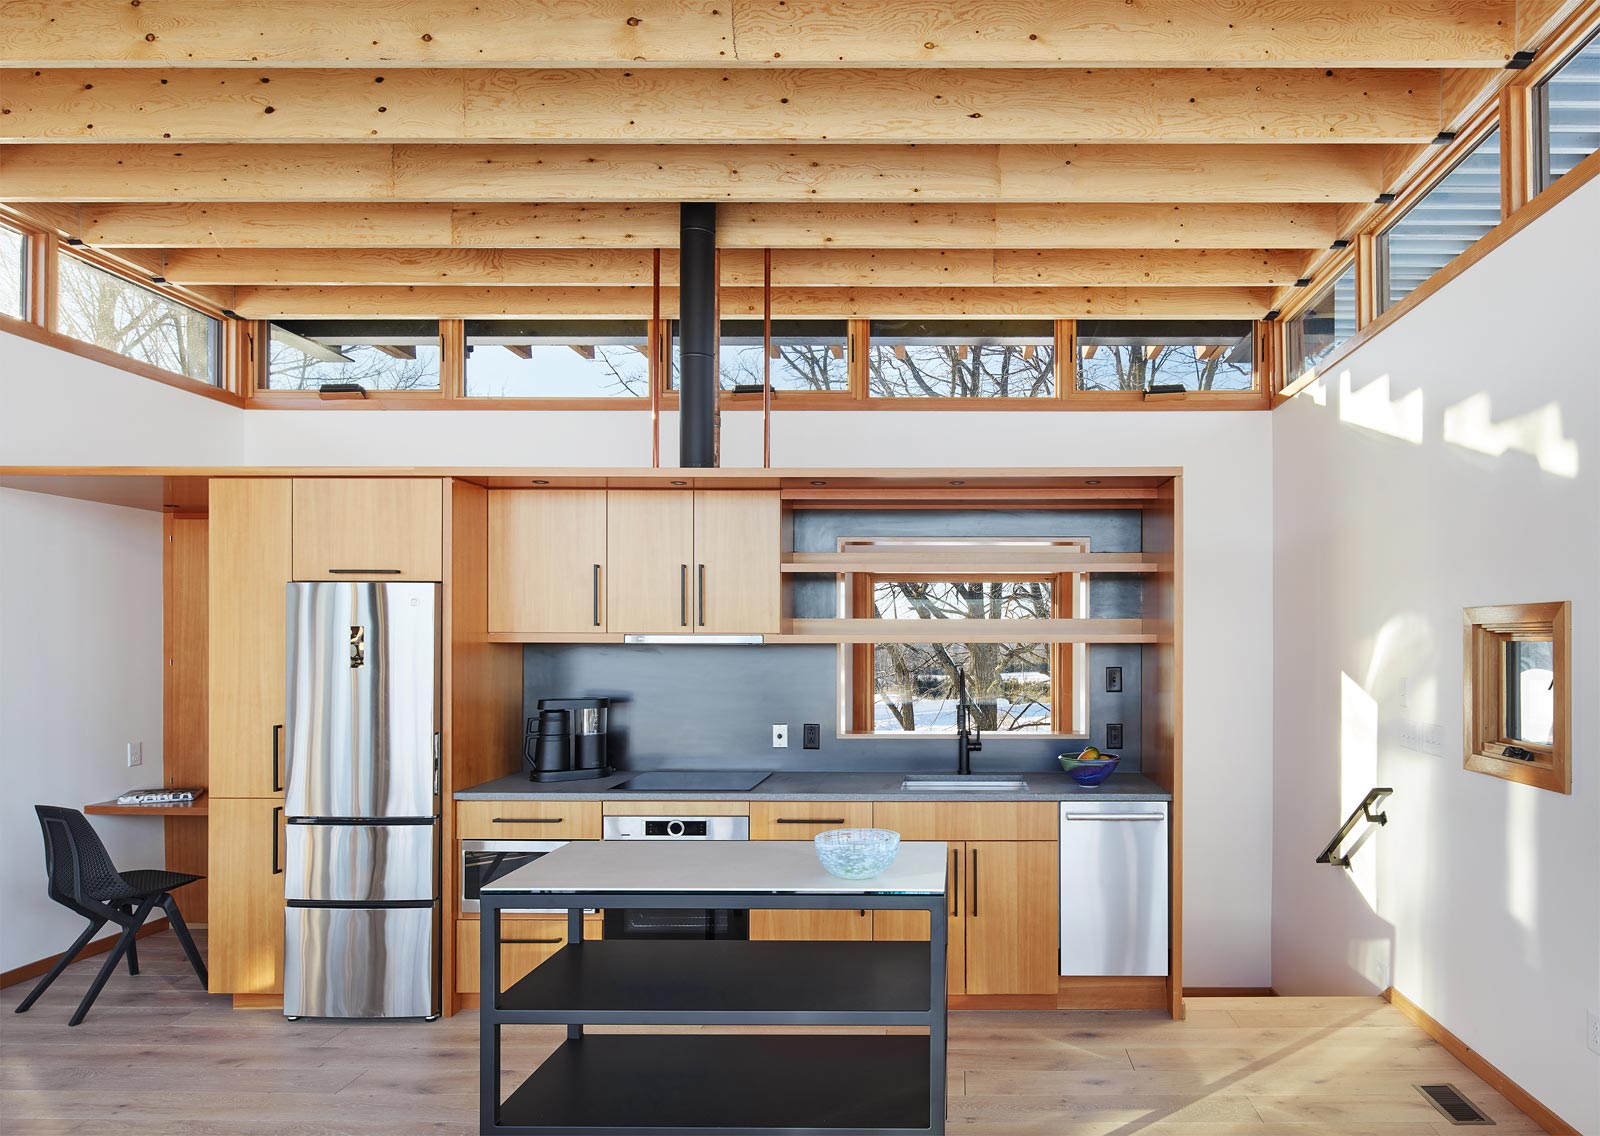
[
  {"x": 1372, "y": 409},
  {"x": 1538, "y": 433},
  {"x": 1522, "y": 866}
]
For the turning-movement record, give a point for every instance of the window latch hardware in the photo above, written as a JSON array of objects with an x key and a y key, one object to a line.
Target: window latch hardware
[{"x": 1517, "y": 752}]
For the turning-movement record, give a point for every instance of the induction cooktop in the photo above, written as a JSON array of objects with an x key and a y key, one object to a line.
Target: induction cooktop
[{"x": 694, "y": 781}]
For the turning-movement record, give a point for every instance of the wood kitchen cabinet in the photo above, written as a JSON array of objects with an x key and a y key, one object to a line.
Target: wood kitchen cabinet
[
  {"x": 809, "y": 925},
  {"x": 737, "y": 549},
  {"x": 651, "y": 556},
  {"x": 249, "y": 562},
  {"x": 913, "y": 925},
  {"x": 547, "y": 561},
  {"x": 802, "y": 820},
  {"x": 368, "y": 528},
  {"x": 244, "y": 944},
  {"x": 1009, "y": 904}
]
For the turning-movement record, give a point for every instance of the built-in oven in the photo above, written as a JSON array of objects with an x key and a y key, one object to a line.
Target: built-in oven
[
  {"x": 675, "y": 923},
  {"x": 484, "y": 861}
]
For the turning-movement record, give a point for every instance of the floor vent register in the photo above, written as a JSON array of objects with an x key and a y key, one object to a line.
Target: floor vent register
[{"x": 1457, "y": 1108}]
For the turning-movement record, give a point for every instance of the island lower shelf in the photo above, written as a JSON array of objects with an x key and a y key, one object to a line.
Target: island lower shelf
[{"x": 726, "y": 1084}]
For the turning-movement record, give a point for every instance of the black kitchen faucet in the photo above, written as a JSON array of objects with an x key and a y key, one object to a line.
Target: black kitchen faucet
[{"x": 968, "y": 736}]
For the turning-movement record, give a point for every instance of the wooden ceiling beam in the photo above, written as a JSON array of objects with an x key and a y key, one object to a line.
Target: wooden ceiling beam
[
  {"x": 739, "y": 226},
  {"x": 880, "y": 303},
  {"x": 986, "y": 174},
  {"x": 791, "y": 268},
  {"x": 790, "y": 33},
  {"x": 598, "y": 106}
]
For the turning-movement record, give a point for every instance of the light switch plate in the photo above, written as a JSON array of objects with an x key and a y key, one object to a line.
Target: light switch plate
[
  {"x": 135, "y": 754},
  {"x": 780, "y": 737},
  {"x": 1594, "y": 1032}
]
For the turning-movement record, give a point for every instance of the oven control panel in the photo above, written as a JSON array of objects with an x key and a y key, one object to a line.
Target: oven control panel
[{"x": 676, "y": 828}]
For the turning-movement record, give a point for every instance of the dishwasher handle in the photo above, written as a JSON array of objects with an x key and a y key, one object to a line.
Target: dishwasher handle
[{"x": 1116, "y": 816}]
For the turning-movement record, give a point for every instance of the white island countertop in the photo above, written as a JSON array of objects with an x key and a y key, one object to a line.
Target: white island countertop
[{"x": 756, "y": 867}]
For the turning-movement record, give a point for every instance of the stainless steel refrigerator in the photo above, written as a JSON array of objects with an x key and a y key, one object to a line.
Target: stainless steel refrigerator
[{"x": 361, "y": 926}]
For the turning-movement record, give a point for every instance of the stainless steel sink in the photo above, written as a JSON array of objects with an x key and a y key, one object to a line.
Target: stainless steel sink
[{"x": 964, "y": 785}]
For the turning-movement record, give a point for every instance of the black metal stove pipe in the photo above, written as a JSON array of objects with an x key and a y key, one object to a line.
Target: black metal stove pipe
[{"x": 697, "y": 335}]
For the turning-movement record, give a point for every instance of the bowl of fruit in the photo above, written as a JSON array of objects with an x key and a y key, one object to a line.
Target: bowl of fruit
[{"x": 1089, "y": 767}]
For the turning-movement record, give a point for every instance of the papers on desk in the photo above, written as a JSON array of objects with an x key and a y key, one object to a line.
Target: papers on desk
[{"x": 159, "y": 797}]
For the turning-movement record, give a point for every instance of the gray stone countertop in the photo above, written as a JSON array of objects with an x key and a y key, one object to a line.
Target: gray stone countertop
[{"x": 825, "y": 786}]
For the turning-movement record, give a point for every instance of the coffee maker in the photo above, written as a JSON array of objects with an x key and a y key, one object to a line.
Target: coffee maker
[{"x": 567, "y": 740}]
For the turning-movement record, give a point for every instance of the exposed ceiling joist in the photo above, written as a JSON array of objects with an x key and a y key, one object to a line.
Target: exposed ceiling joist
[
  {"x": 597, "y": 106},
  {"x": 377, "y": 172},
  {"x": 837, "y": 226},
  {"x": 791, "y": 268},
  {"x": 790, "y": 33},
  {"x": 885, "y": 303}
]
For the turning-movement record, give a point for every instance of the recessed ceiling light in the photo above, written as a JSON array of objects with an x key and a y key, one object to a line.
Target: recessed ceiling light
[
  {"x": 541, "y": 483},
  {"x": 1092, "y": 481},
  {"x": 958, "y": 483},
  {"x": 819, "y": 483},
  {"x": 680, "y": 483}
]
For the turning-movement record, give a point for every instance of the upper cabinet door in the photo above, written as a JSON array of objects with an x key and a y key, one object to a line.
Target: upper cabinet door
[
  {"x": 248, "y": 565},
  {"x": 547, "y": 561},
  {"x": 735, "y": 577},
  {"x": 1011, "y": 901},
  {"x": 368, "y": 528},
  {"x": 650, "y": 561}
]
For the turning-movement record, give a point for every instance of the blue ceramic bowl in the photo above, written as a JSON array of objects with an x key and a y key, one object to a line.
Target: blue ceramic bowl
[
  {"x": 1088, "y": 772},
  {"x": 857, "y": 853}
]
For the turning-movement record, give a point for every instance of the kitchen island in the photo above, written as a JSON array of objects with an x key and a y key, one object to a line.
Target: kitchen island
[{"x": 708, "y": 1082}]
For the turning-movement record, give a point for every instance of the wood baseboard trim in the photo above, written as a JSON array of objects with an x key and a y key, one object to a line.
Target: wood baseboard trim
[
  {"x": 1229, "y": 992},
  {"x": 258, "y": 1001},
  {"x": 467, "y": 1001},
  {"x": 1112, "y": 993},
  {"x": 1002, "y": 1001},
  {"x": 1486, "y": 1072},
  {"x": 95, "y": 947}
]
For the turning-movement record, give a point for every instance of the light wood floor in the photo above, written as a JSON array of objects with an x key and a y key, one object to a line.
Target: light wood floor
[{"x": 156, "y": 1055}]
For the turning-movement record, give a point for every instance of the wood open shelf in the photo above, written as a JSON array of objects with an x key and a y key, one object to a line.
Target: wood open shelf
[
  {"x": 971, "y": 631},
  {"x": 200, "y": 807},
  {"x": 727, "y": 1083},
  {"x": 726, "y": 982},
  {"x": 969, "y": 561}
]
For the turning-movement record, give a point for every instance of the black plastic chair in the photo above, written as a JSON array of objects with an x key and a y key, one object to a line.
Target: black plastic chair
[{"x": 82, "y": 877}]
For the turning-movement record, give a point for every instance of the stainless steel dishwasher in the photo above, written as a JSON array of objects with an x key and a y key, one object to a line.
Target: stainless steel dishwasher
[{"x": 1114, "y": 881}]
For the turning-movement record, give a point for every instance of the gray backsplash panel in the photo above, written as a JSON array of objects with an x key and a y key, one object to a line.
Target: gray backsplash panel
[{"x": 713, "y": 707}]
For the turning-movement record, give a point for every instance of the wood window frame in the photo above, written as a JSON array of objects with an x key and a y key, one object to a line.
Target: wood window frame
[
  {"x": 1487, "y": 632},
  {"x": 858, "y": 721}
]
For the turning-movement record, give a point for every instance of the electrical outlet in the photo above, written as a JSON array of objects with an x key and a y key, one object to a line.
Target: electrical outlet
[
  {"x": 1113, "y": 735},
  {"x": 1594, "y": 1032},
  {"x": 780, "y": 737},
  {"x": 811, "y": 735},
  {"x": 1433, "y": 739},
  {"x": 1113, "y": 680},
  {"x": 135, "y": 754}
]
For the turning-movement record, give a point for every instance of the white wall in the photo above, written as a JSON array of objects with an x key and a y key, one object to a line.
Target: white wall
[
  {"x": 63, "y": 409},
  {"x": 80, "y": 677},
  {"x": 1453, "y": 461}
]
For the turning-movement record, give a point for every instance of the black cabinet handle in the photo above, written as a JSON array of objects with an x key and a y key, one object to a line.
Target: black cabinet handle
[
  {"x": 955, "y": 881},
  {"x": 683, "y": 595},
  {"x": 277, "y": 732},
  {"x": 365, "y": 571},
  {"x": 811, "y": 820},
  {"x": 597, "y": 595},
  {"x": 974, "y": 884},
  {"x": 504, "y": 942},
  {"x": 528, "y": 820},
  {"x": 702, "y": 596},
  {"x": 277, "y": 864}
]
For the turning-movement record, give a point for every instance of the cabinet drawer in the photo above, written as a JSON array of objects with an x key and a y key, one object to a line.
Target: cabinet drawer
[
  {"x": 852, "y": 924},
  {"x": 676, "y": 808},
  {"x": 528, "y": 820},
  {"x": 801, "y": 820},
  {"x": 524, "y": 944},
  {"x": 968, "y": 820},
  {"x": 368, "y": 528}
]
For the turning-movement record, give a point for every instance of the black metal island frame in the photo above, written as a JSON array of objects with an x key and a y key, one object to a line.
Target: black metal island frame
[{"x": 655, "y": 1084}]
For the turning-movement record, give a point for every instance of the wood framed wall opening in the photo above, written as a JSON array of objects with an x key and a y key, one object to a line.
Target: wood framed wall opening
[{"x": 1517, "y": 693}]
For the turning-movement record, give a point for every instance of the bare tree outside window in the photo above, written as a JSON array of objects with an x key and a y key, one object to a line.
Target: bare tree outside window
[
  {"x": 1134, "y": 355},
  {"x": 962, "y": 359},
  {"x": 914, "y": 684},
  {"x": 379, "y": 355},
  {"x": 807, "y": 355},
  {"x": 100, "y": 308},
  {"x": 13, "y": 273}
]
